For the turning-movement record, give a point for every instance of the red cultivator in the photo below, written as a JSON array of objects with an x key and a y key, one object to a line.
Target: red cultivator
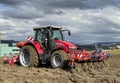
[
  {"x": 10, "y": 59},
  {"x": 95, "y": 59},
  {"x": 76, "y": 56}
]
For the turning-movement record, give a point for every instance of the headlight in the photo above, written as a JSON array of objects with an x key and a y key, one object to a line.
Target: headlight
[{"x": 72, "y": 48}]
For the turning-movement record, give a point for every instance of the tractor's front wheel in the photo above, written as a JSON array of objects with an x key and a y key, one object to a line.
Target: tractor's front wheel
[
  {"x": 59, "y": 59},
  {"x": 28, "y": 56}
]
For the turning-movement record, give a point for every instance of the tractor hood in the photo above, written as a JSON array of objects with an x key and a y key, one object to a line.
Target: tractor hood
[{"x": 65, "y": 45}]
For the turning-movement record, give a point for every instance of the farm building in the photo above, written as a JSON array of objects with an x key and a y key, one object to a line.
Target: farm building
[{"x": 6, "y": 49}]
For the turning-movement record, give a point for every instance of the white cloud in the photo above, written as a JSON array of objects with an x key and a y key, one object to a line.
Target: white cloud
[{"x": 112, "y": 14}]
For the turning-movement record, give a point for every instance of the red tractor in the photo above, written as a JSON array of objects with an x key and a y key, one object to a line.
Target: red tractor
[{"x": 48, "y": 46}]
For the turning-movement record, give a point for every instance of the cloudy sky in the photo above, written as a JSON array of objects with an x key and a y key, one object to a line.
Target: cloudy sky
[{"x": 89, "y": 20}]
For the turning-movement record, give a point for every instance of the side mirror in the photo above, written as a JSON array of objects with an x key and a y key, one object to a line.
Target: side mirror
[{"x": 69, "y": 33}]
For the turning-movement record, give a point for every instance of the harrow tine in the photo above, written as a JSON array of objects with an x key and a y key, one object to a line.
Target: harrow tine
[
  {"x": 90, "y": 65},
  {"x": 102, "y": 64},
  {"x": 95, "y": 64},
  {"x": 85, "y": 65},
  {"x": 105, "y": 62},
  {"x": 82, "y": 65}
]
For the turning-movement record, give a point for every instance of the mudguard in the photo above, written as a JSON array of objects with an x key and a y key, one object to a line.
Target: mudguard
[{"x": 37, "y": 46}]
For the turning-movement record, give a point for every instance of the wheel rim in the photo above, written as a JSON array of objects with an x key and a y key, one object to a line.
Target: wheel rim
[
  {"x": 25, "y": 57},
  {"x": 57, "y": 60}
]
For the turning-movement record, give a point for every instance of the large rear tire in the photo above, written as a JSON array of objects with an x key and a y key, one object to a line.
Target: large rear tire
[
  {"x": 28, "y": 56},
  {"x": 59, "y": 59}
]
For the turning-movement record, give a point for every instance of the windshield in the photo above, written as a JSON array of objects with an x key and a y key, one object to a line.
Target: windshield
[
  {"x": 57, "y": 34},
  {"x": 39, "y": 36}
]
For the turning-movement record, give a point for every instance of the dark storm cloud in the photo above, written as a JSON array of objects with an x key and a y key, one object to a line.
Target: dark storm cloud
[
  {"x": 81, "y": 4},
  {"x": 21, "y": 8},
  {"x": 63, "y": 3},
  {"x": 11, "y": 2},
  {"x": 22, "y": 13},
  {"x": 28, "y": 9}
]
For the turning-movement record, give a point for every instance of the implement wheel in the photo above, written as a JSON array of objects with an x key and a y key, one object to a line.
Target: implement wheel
[
  {"x": 59, "y": 59},
  {"x": 28, "y": 56}
]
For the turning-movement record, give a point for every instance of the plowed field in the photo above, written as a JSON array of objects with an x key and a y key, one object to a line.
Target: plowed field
[{"x": 19, "y": 74}]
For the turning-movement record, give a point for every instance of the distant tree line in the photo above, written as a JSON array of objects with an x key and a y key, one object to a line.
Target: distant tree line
[
  {"x": 104, "y": 45},
  {"x": 9, "y": 42}
]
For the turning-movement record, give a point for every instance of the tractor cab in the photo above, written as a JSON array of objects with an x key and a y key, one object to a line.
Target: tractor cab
[{"x": 46, "y": 37}]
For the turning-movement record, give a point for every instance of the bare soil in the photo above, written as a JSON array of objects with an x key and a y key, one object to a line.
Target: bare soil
[{"x": 19, "y": 74}]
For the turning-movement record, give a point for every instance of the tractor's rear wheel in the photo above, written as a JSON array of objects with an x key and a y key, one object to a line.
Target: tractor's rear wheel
[
  {"x": 59, "y": 59},
  {"x": 28, "y": 57}
]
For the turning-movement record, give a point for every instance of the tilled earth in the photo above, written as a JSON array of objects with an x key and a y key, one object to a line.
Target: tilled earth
[{"x": 19, "y": 74}]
